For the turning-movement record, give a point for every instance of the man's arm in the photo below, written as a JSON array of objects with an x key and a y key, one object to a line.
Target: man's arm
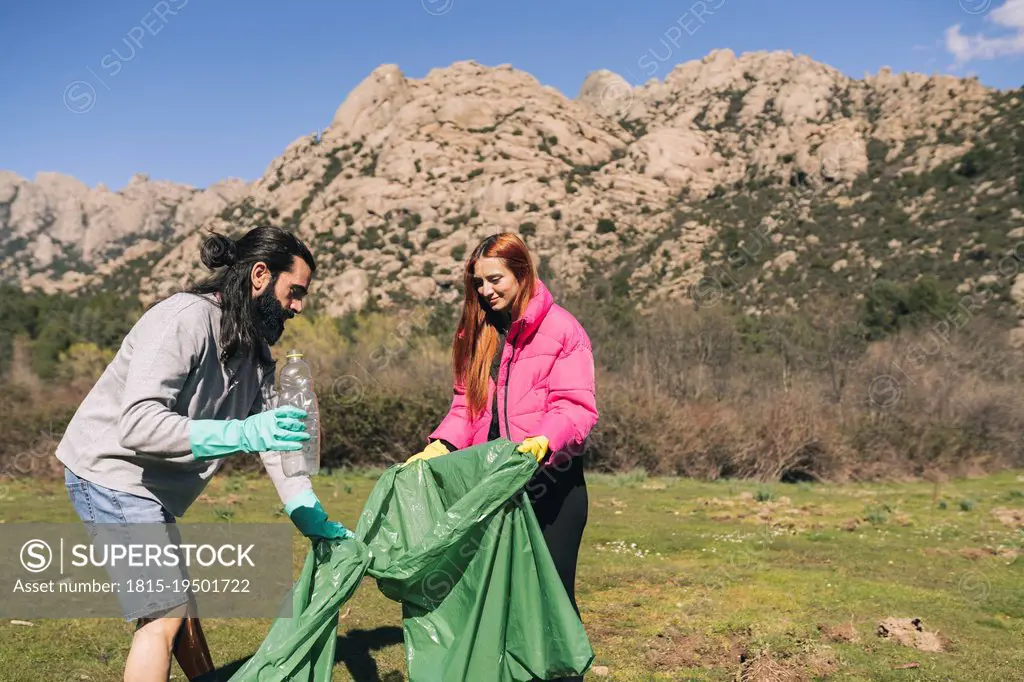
[
  {"x": 168, "y": 344},
  {"x": 296, "y": 492},
  {"x": 288, "y": 488}
]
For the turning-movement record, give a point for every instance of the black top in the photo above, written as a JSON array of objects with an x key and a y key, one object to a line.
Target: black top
[{"x": 501, "y": 323}]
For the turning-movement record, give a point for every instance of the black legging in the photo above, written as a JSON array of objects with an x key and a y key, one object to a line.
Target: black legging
[{"x": 559, "y": 498}]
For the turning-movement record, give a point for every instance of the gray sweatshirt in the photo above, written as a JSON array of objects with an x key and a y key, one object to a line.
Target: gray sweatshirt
[{"x": 131, "y": 433}]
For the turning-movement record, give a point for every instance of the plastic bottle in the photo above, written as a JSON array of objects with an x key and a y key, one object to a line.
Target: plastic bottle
[{"x": 297, "y": 390}]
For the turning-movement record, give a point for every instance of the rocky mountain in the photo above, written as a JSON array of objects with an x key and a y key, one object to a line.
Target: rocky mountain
[
  {"x": 58, "y": 234},
  {"x": 650, "y": 188}
]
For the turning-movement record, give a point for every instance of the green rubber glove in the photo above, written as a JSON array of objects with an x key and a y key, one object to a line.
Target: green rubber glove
[
  {"x": 276, "y": 430},
  {"x": 309, "y": 517}
]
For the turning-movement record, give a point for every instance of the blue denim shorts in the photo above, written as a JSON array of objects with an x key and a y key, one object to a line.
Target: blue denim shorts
[{"x": 96, "y": 504}]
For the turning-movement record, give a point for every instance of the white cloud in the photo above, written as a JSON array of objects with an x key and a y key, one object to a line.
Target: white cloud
[{"x": 977, "y": 47}]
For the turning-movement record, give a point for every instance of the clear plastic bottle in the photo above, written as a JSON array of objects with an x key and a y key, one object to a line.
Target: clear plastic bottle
[{"x": 297, "y": 390}]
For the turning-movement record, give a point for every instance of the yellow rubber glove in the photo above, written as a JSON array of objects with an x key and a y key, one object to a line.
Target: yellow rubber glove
[
  {"x": 435, "y": 449},
  {"x": 536, "y": 446}
]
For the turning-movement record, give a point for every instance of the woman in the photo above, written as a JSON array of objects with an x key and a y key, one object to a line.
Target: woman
[{"x": 524, "y": 371}]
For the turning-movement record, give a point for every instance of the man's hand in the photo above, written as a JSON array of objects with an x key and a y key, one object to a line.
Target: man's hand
[
  {"x": 277, "y": 430},
  {"x": 309, "y": 517}
]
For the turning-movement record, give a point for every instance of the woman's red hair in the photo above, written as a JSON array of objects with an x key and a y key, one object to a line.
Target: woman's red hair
[{"x": 476, "y": 339}]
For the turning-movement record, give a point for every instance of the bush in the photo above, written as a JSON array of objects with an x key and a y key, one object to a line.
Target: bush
[
  {"x": 83, "y": 363},
  {"x": 604, "y": 226},
  {"x": 892, "y": 306},
  {"x": 975, "y": 162}
]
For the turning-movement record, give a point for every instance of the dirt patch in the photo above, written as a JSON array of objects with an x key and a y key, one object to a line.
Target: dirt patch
[
  {"x": 763, "y": 667},
  {"x": 823, "y": 662},
  {"x": 910, "y": 632},
  {"x": 778, "y": 513},
  {"x": 843, "y": 634},
  {"x": 715, "y": 502},
  {"x": 672, "y": 650},
  {"x": 902, "y": 519},
  {"x": 1014, "y": 518},
  {"x": 1010, "y": 553},
  {"x": 850, "y": 525},
  {"x": 610, "y": 502},
  {"x": 936, "y": 551}
]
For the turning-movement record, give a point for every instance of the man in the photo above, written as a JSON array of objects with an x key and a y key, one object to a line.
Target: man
[{"x": 192, "y": 383}]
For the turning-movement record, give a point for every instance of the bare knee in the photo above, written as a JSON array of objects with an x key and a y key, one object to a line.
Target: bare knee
[{"x": 163, "y": 630}]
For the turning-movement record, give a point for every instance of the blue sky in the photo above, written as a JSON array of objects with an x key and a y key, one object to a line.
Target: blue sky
[{"x": 198, "y": 90}]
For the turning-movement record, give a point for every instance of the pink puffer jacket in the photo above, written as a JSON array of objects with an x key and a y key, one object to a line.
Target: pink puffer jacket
[{"x": 545, "y": 385}]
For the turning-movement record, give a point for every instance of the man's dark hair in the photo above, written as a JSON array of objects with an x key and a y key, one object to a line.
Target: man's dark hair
[{"x": 232, "y": 262}]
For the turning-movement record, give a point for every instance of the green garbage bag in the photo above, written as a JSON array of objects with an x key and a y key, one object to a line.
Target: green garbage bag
[{"x": 455, "y": 540}]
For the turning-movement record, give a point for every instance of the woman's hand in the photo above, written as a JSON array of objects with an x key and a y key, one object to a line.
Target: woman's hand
[
  {"x": 537, "y": 446},
  {"x": 435, "y": 449}
]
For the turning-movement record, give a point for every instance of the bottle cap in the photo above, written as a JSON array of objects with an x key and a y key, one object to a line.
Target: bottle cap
[{"x": 293, "y": 354}]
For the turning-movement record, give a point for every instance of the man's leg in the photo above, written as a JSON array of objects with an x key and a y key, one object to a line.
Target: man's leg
[
  {"x": 154, "y": 639},
  {"x": 150, "y": 657},
  {"x": 150, "y": 648}
]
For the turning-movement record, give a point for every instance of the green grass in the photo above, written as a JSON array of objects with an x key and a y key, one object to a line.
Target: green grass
[{"x": 677, "y": 580}]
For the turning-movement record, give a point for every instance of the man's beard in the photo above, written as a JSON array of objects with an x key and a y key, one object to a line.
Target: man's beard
[{"x": 270, "y": 316}]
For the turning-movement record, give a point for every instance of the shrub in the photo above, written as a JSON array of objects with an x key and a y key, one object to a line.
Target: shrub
[
  {"x": 891, "y": 306},
  {"x": 975, "y": 162}
]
